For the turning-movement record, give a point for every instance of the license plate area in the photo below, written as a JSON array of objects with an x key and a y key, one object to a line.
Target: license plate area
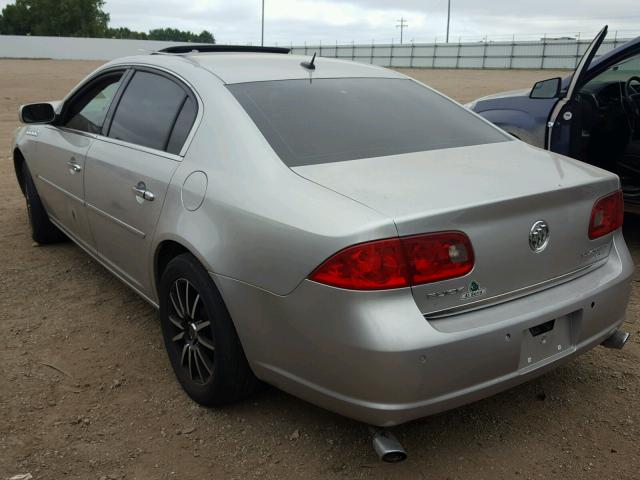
[{"x": 543, "y": 342}]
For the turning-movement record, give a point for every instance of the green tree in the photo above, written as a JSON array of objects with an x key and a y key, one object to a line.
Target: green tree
[
  {"x": 80, "y": 18},
  {"x": 72, "y": 18},
  {"x": 175, "y": 35},
  {"x": 205, "y": 37},
  {"x": 124, "y": 32},
  {"x": 14, "y": 19}
]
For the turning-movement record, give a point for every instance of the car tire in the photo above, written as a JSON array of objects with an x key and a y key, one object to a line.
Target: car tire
[
  {"x": 199, "y": 336},
  {"x": 42, "y": 230}
]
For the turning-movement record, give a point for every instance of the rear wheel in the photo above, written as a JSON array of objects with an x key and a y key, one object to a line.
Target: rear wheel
[
  {"x": 42, "y": 230},
  {"x": 201, "y": 341}
]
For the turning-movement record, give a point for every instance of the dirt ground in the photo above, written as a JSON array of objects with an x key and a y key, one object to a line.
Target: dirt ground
[{"x": 86, "y": 391}]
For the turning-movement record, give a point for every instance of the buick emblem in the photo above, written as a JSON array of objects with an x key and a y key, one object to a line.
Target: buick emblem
[{"x": 539, "y": 236}]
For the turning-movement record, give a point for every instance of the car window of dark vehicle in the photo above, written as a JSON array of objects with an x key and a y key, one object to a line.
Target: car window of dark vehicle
[
  {"x": 148, "y": 110},
  {"x": 88, "y": 112},
  {"x": 333, "y": 120},
  {"x": 619, "y": 72},
  {"x": 183, "y": 126},
  {"x": 629, "y": 65}
]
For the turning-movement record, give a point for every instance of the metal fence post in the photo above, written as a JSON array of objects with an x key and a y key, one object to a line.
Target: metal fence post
[
  {"x": 336, "y": 54},
  {"x": 435, "y": 52},
  {"x": 413, "y": 46},
  {"x": 544, "y": 50},
  {"x": 391, "y": 53},
  {"x": 458, "y": 54},
  {"x": 484, "y": 52},
  {"x": 513, "y": 50},
  {"x": 373, "y": 46},
  {"x": 320, "y": 54},
  {"x": 305, "y": 47},
  {"x": 353, "y": 50}
]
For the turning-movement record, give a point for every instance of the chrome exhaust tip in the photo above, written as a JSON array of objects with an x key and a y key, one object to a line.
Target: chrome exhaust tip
[
  {"x": 616, "y": 340},
  {"x": 388, "y": 447}
]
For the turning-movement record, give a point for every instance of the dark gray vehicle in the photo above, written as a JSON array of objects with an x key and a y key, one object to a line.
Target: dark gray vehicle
[{"x": 592, "y": 115}]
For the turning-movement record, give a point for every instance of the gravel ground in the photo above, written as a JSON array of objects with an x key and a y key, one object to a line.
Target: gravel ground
[{"x": 87, "y": 393}]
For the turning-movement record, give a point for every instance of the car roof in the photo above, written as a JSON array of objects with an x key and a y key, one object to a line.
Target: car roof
[{"x": 259, "y": 67}]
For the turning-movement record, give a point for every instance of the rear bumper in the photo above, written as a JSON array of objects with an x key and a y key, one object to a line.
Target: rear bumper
[{"x": 373, "y": 357}]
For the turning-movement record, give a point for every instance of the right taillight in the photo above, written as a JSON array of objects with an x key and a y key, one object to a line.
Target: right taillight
[
  {"x": 607, "y": 215},
  {"x": 398, "y": 262},
  {"x": 437, "y": 256}
]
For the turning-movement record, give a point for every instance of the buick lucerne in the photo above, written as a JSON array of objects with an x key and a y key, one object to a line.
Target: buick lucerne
[{"x": 338, "y": 230}]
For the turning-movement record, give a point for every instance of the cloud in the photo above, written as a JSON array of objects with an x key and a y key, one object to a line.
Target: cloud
[{"x": 238, "y": 21}]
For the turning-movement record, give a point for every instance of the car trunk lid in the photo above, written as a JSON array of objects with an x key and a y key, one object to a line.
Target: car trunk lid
[{"x": 494, "y": 193}]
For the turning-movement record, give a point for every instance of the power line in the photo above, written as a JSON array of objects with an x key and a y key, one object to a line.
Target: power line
[{"x": 402, "y": 25}]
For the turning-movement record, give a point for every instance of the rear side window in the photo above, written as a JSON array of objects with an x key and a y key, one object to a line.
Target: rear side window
[
  {"x": 148, "y": 111},
  {"x": 332, "y": 120},
  {"x": 182, "y": 126}
]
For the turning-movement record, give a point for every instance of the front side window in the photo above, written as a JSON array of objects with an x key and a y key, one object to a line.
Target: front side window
[
  {"x": 148, "y": 111},
  {"x": 88, "y": 112},
  {"x": 332, "y": 120},
  {"x": 618, "y": 73}
]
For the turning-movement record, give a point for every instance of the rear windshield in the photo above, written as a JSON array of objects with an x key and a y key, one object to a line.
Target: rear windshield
[{"x": 333, "y": 120}]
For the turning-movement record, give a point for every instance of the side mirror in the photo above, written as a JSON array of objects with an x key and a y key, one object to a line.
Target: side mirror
[
  {"x": 547, "y": 88},
  {"x": 37, "y": 113}
]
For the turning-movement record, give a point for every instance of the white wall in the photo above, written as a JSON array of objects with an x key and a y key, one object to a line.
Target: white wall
[
  {"x": 549, "y": 53},
  {"x": 518, "y": 54},
  {"x": 74, "y": 48}
]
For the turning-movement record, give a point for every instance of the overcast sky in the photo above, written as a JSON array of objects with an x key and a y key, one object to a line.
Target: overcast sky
[{"x": 238, "y": 21}]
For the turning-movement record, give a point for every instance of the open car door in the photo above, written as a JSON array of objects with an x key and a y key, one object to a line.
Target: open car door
[{"x": 559, "y": 125}]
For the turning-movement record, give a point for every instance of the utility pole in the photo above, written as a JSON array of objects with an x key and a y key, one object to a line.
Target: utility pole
[
  {"x": 402, "y": 25},
  {"x": 262, "y": 34},
  {"x": 448, "y": 19}
]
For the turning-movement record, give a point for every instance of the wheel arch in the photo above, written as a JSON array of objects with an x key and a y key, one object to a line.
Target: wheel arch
[{"x": 166, "y": 250}]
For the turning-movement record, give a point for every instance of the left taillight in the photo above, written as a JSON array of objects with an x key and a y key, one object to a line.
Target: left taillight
[
  {"x": 398, "y": 262},
  {"x": 607, "y": 215}
]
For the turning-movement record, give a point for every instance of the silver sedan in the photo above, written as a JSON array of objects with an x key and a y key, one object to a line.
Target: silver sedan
[{"x": 337, "y": 230}]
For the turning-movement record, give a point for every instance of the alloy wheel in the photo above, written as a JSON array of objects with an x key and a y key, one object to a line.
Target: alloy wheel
[{"x": 192, "y": 335}]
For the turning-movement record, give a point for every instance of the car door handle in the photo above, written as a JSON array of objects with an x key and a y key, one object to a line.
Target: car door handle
[
  {"x": 141, "y": 191},
  {"x": 73, "y": 166}
]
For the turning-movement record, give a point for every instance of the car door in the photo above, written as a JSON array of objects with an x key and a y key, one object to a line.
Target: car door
[
  {"x": 559, "y": 127},
  {"x": 128, "y": 170},
  {"x": 61, "y": 151}
]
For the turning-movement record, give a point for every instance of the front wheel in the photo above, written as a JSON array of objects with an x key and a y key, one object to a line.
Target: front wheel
[
  {"x": 42, "y": 230},
  {"x": 201, "y": 341}
]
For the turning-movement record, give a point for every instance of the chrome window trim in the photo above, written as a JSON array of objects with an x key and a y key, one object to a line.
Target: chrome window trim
[
  {"x": 161, "y": 153},
  {"x": 515, "y": 294},
  {"x": 82, "y": 133},
  {"x": 140, "y": 148}
]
